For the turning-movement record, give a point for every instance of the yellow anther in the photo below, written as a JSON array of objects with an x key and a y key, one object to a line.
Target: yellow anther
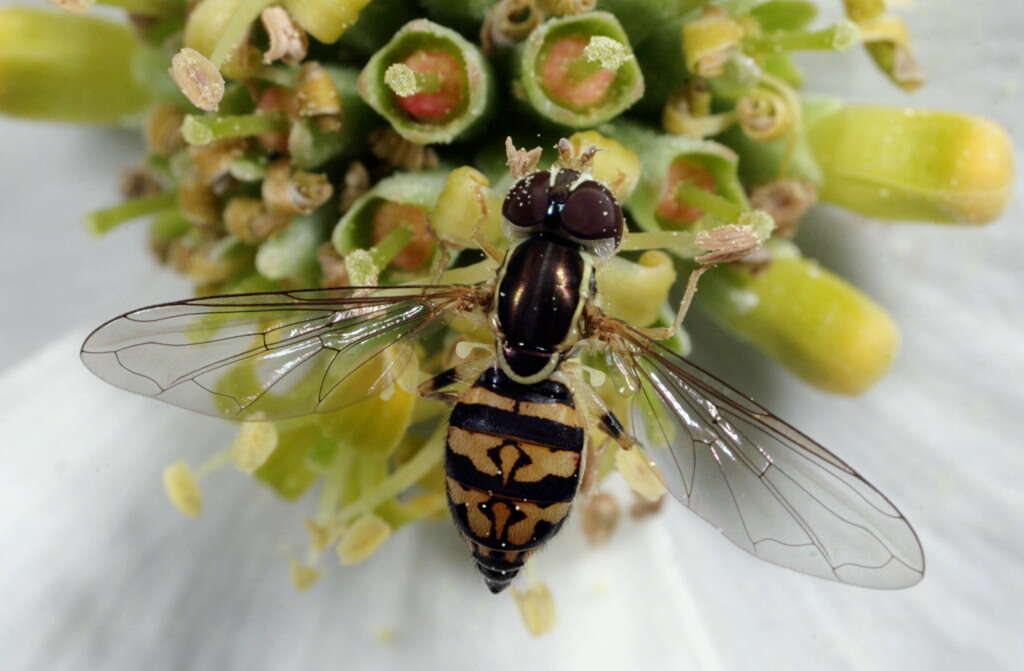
[
  {"x": 363, "y": 538},
  {"x": 303, "y": 576},
  {"x": 253, "y": 445},
  {"x": 537, "y": 608},
  {"x": 182, "y": 489}
]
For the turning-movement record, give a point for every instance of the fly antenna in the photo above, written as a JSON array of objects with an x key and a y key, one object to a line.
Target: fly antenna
[{"x": 572, "y": 159}]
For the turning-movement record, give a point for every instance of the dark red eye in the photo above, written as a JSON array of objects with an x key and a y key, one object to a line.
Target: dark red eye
[
  {"x": 527, "y": 202},
  {"x": 591, "y": 213}
]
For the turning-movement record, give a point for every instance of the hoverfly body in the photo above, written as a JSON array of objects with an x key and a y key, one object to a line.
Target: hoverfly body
[{"x": 519, "y": 433}]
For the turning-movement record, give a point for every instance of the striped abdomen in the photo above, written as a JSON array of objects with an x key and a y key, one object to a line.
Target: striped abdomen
[{"x": 513, "y": 461}]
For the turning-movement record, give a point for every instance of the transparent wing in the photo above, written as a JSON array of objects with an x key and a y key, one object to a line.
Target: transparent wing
[
  {"x": 269, "y": 355},
  {"x": 769, "y": 488}
]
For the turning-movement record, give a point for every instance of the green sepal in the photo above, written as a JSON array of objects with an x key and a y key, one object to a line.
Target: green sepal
[
  {"x": 465, "y": 16},
  {"x": 311, "y": 147},
  {"x": 377, "y": 23},
  {"x": 657, "y": 153},
  {"x": 784, "y": 14},
  {"x": 291, "y": 253},
  {"x": 286, "y": 469},
  {"x": 480, "y": 84},
  {"x": 641, "y": 18},
  {"x": 626, "y": 89},
  {"x": 355, "y": 229}
]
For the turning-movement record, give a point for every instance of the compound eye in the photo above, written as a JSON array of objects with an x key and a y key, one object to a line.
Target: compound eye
[
  {"x": 527, "y": 201},
  {"x": 592, "y": 213}
]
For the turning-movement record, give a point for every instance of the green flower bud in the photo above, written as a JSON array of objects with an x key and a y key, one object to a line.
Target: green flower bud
[
  {"x": 466, "y": 203},
  {"x": 895, "y": 163},
  {"x": 814, "y": 323},
  {"x": 635, "y": 292},
  {"x": 615, "y": 164},
  {"x": 62, "y": 67},
  {"x": 326, "y": 20}
]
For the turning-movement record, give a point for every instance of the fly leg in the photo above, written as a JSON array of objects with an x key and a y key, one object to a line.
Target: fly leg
[
  {"x": 440, "y": 387},
  {"x": 600, "y": 420},
  {"x": 594, "y": 409},
  {"x": 666, "y": 332}
]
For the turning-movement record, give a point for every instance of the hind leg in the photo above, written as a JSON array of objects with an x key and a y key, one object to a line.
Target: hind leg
[{"x": 441, "y": 386}]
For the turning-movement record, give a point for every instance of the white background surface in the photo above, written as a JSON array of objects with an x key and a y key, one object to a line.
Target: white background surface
[{"x": 98, "y": 572}]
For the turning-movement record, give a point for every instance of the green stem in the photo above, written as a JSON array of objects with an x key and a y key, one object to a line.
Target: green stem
[
  {"x": 680, "y": 242},
  {"x": 334, "y": 483},
  {"x": 169, "y": 226},
  {"x": 404, "y": 477},
  {"x": 99, "y": 222},
  {"x": 236, "y": 29},
  {"x": 706, "y": 201},
  {"x": 839, "y": 37},
  {"x": 390, "y": 246},
  {"x": 200, "y": 130},
  {"x": 582, "y": 68},
  {"x": 147, "y": 7}
]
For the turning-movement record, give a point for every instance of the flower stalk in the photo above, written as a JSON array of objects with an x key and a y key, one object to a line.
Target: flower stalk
[{"x": 100, "y": 222}]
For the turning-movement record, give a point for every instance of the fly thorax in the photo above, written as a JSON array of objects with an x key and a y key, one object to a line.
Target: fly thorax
[{"x": 542, "y": 288}]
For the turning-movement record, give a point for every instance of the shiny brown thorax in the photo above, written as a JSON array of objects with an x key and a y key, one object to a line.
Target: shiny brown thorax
[{"x": 542, "y": 288}]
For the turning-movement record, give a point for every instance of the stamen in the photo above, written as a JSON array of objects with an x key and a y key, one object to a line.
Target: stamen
[
  {"x": 198, "y": 78},
  {"x": 288, "y": 42}
]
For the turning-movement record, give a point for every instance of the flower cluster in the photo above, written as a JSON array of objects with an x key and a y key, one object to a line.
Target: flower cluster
[{"x": 302, "y": 143}]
